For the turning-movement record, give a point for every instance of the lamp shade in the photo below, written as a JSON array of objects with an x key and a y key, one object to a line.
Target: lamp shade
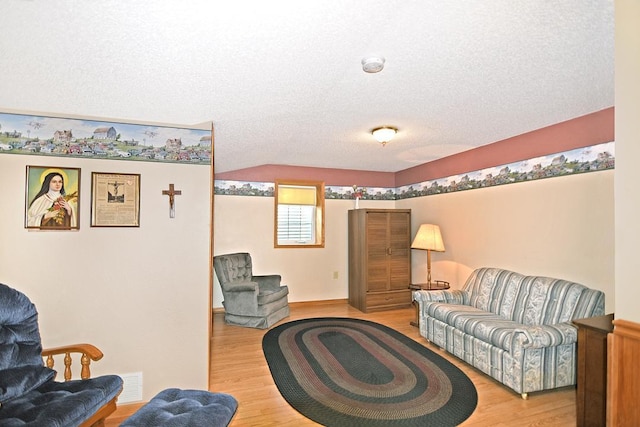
[{"x": 428, "y": 237}]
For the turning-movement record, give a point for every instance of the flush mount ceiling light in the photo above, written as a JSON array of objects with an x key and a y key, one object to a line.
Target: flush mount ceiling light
[
  {"x": 373, "y": 64},
  {"x": 384, "y": 134}
]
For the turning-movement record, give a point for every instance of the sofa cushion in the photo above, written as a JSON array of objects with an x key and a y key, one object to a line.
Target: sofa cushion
[
  {"x": 545, "y": 336},
  {"x": 542, "y": 300},
  {"x": 531, "y": 300},
  {"x": 486, "y": 288},
  {"x": 182, "y": 408},
  {"x": 67, "y": 403},
  {"x": 500, "y": 332},
  {"x": 15, "y": 382},
  {"x": 486, "y": 326},
  {"x": 19, "y": 334}
]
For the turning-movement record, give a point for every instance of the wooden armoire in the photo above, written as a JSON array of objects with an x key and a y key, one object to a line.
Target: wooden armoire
[{"x": 379, "y": 259}]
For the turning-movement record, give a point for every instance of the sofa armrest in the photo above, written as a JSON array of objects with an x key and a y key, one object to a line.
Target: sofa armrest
[
  {"x": 449, "y": 296},
  {"x": 270, "y": 281},
  {"x": 240, "y": 287},
  {"x": 541, "y": 336}
]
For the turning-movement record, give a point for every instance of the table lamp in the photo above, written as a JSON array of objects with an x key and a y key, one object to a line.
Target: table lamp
[{"x": 428, "y": 238}]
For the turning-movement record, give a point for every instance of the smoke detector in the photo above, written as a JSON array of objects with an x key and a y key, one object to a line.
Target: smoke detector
[{"x": 373, "y": 64}]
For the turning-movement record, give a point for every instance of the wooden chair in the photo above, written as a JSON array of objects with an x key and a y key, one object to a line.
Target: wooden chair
[
  {"x": 88, "y": 353},
  {"x": 29, "y": 394}
]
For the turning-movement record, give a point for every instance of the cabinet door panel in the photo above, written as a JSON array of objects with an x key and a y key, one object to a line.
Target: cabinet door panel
[
  {"x": 377, "y": 251},
  {"x": 380, "y": 258},
  {"x": 399, "y": 224},
  {"x": 400, "y": 274},
  {"x": 399, "y": 238},
  {"x": 377, "y": 232},
  {"x": 377, "y": 276}
]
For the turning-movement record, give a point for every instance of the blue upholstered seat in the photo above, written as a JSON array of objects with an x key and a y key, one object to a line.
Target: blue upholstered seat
[
  {"x": 185, "y": 408},
  {"x": 60, "y": 403},
  {"x": 29, "y": 394}
]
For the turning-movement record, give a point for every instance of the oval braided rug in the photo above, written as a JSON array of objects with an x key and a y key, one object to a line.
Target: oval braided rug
[{"x": 350, "y": 372}]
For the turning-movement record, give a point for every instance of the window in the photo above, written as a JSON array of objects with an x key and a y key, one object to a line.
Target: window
[{"x": 299, "y": 214}]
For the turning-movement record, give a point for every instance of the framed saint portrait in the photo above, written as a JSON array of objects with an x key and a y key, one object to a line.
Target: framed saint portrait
[{"x": 52, "y": 198}]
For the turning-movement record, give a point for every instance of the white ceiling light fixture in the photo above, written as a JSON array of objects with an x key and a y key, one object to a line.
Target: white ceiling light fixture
[
  {"x": 384, "y": 134},
  {"x": 373, "y": 64}
]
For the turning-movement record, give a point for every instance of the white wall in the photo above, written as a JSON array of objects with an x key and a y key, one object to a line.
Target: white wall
[
  {"x": 245, "y": 224},
  {"x": 140, "y": 294},
  {"x": 627, "y": 199},
  {"x": 558, "y": 227}
]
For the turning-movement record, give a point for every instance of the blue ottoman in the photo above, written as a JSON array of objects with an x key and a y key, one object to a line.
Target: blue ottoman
[{"x": 174, "y": 407}]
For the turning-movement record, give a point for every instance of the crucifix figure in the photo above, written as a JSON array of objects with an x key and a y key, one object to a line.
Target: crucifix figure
[
  {"x": 171, "y": 192},
  {"x": 114, "y": 196}
]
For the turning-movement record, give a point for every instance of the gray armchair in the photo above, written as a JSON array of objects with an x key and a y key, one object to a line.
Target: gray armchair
[{"x": 252, "y": 301}]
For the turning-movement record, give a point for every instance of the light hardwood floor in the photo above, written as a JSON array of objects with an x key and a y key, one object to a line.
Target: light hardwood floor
[{"x": 238, "y": 367}]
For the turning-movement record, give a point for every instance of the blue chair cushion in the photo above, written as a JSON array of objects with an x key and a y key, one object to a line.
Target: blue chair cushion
[
  {"x": 174, "y": 407},
  {"x": 19, "y": 335},
  {"x": 17, "y": 381},
  {"x": 60, "y": 404}
]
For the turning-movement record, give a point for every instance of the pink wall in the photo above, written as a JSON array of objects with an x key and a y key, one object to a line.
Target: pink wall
[
  {"x": 584, "y": 131},
  {"x": 337, "y": 177}
]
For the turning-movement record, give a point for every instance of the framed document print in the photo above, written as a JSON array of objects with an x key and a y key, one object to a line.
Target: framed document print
[
  {"x": 115, "y": 200},
  {"x": 52, "y": 198}
]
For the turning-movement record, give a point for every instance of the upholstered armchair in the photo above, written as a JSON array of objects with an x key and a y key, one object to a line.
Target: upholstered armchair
[
  {"x": 253, "y": 301},
  {"x": 29, "y": 394}
]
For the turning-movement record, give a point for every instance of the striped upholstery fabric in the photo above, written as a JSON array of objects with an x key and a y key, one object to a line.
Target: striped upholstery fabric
[{"x": 515, "y": 328}]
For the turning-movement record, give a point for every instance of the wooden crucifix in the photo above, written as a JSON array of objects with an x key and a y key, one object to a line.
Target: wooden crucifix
[{"x": 171, "y": 192}]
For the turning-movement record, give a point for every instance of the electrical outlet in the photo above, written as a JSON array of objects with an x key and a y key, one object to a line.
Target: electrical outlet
[{"x": 335, "y": 274}]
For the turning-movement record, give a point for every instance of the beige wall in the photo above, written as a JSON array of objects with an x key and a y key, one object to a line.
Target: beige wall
[
  {"x": 140, "y": 294},
  {"x": 245, "y": 224},
  {"x": 559, "y": 227},
  {"x": 627, "y": 128}
]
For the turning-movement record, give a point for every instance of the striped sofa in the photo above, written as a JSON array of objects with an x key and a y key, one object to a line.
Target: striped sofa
[{"x": 515, "y": 328}]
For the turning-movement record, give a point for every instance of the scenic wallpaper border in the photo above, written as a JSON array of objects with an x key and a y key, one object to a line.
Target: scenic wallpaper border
[
  {"x": 581, "y": 160},
  {"x": 65, "y": 137}
]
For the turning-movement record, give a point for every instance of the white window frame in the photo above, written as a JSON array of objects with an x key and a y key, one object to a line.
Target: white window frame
[{"x": 311, "y": 205}]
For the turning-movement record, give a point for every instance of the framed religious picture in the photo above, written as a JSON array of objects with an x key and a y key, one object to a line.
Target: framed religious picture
[
  {"x": 115, "y": 199},
  {"x": 52, "y": 198}
]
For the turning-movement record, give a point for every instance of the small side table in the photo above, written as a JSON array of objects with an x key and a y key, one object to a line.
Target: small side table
[
  {"x": 591, "y": 396},
  {"x": 438, "y": 285}
]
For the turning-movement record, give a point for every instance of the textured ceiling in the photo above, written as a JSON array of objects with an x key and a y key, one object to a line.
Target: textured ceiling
[{"x": 282, "y": 80}]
